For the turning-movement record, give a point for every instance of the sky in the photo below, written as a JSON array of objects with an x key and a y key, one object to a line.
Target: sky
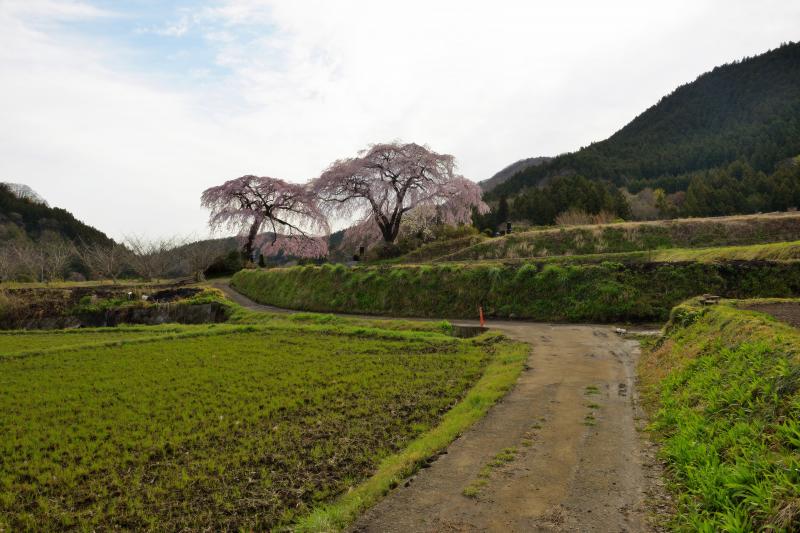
[{"x": 124, "y": 111}]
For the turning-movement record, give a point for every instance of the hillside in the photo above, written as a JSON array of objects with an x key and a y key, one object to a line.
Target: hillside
[
  {"x": 23, "y": 215},
  {"x": 748, "y": 110},
  {"x": 514, "y": 168},
  {"x": 616, "y": 238}
]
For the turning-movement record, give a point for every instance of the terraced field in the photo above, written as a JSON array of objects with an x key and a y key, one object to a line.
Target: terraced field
[
  {"x": 616, "y": 238},
  {"x": 225, "y": 427},
  {"x": 19, "y": 342}
]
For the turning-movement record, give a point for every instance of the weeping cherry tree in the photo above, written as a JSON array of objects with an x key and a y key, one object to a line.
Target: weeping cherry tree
[
  {"x": 287, "y": 212},
  {"x": 386, "y": 181}
]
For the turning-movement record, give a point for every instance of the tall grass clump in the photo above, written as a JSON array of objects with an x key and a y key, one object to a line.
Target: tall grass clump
[{"x": 724, "y": 389}]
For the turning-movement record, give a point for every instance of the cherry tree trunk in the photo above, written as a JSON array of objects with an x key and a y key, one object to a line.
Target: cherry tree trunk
[{"x": 247, "y": 252}]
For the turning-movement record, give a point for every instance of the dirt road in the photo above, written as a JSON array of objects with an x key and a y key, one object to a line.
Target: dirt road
[
  {"x": 580, "y": 464},
  {"x": 561, "y": 452}
]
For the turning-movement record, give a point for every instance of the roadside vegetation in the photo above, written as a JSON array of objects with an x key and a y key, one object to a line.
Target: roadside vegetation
[
  {"x": 253, "y": 424},
  {"x": 604, "y": 292},
  {"x": 723, "y": 388}
]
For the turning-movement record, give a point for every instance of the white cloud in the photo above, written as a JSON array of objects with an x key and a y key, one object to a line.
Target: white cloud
[
  {"x": 174, "y": 29},
  {"x": 52, "y": 9},
  {"x": 309, "y": 82}
]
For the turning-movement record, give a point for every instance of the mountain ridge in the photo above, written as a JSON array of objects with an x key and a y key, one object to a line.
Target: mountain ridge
[
  {"x": 512, "y": 169},
  {"x": 25, "y": 216},
  {"x": 744, "y": 110}
]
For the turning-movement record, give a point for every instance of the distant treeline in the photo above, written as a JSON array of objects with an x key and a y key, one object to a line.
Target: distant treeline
[{"x": 734, "y": 189}]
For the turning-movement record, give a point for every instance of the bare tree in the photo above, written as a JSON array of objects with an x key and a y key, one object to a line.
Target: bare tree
[
  {"x": 153, "y": 258},
  {"x": 7, "y": 262},
  {"x": 578, "y": 217},
  {"x": 29, "y": 260},
  {"x": 56, "y": 254},
  {"x": 198, "y": 256},
  {"x": 104, "y": 261}
]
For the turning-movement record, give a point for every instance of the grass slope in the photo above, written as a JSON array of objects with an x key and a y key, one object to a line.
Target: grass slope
[
  {"x": 776, "y": 251},
  {"x": 604, "y": 292},
  {"x": 247, "y": 426},
  {"x": 623, "y": 237},
  {"x": 724, "y": 387}
]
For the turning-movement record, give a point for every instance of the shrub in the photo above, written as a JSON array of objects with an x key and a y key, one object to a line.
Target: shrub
[{"x": 10, "y": 306}]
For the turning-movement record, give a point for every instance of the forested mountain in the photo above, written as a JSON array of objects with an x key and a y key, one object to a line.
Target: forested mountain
[
  {"x": 25, "y": 215},
  {"x": 747, "y": 111},
  {"x": 500, "y": 177}
]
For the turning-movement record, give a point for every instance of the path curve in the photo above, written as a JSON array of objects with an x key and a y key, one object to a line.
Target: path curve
[{"x": 573, "y": 420}]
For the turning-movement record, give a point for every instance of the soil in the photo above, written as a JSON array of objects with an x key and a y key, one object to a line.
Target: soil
[
  {"x": 173, "y": 294},
  {"x": 788, "y": 312},
  {"x": 582, "y": 462}
]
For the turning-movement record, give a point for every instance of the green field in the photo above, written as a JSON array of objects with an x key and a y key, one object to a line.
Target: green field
[
  {"x": 224, "y": 427},
  {"x": 26, "y": 341},
  {"x": 724, "y": 391}
]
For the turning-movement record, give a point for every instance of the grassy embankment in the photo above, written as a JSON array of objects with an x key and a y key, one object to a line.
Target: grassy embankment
[
  {"x": 252, "y": 424},
  {"x": 604, "y": 292},
  {"x": 723, "y": 387},
  {"x": 616, "y": 238},
  {"x": 776, "y": 251}
]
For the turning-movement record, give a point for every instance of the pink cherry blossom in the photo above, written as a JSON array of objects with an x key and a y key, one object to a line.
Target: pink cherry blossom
[
  {"x": 287, "y": 212},
  {"x": 385, "y": 181}
]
